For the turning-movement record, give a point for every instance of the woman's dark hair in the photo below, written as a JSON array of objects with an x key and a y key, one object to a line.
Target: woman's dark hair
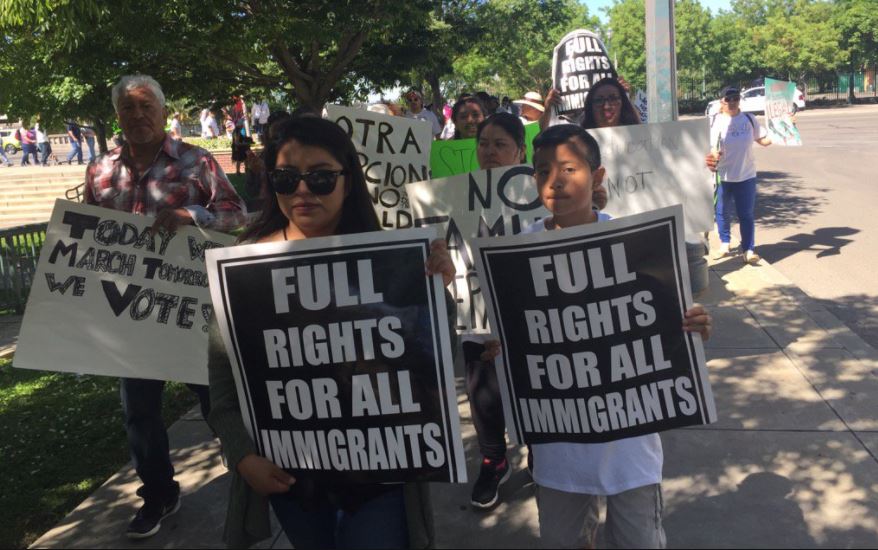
[
  {"x": 357, "y": 213},
  {"x": 459, "y": 105},
  {"x": 553, "y": 136},
  {"x": 273, "y": 118},
  {"x": 627, "y": 115},
  {"x": 510, "y": 124}
]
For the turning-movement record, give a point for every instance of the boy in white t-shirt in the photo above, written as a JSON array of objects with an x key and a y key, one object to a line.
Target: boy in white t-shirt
[{"x": 572, "y": 478}]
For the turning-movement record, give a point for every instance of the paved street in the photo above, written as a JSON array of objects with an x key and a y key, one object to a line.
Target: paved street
[{"x": 816, "y": 212}]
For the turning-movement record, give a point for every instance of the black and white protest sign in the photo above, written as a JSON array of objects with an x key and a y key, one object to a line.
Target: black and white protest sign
[
  {"x": 393, "y": 151},
  {"x": 341, "y": 353},
  {"x": 650, "y": 166},
  {"x": 578, "y": 61},
  {"x": 500, "y": 201},
  {"x": 590, "y": 319},
  {"x": 110, "y": 297}
]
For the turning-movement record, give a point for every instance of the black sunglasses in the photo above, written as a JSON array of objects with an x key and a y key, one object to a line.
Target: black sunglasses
[
  {"x": 733, "y": 98},
  {"x": 285, "y": 181}
]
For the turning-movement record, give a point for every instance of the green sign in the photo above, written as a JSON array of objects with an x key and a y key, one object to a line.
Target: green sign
[
  {"x": 779, "y": 98},
  {"x": 458, "y": 156}
]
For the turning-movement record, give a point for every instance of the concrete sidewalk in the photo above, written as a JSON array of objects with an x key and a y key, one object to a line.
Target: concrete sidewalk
[
  {"x": 793, "y": 461},
  {"x": 9, "y": 328}
]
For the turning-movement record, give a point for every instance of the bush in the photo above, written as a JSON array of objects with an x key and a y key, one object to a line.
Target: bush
[
  {"x": 221, "y": 143},
  {"x": 692, "y": 106}
]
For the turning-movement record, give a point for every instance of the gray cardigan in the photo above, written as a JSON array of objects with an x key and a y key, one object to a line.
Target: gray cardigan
[{"x": 247, "y": 518}]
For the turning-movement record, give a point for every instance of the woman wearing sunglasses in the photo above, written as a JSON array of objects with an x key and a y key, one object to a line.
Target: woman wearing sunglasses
[
  {"x": 732, "y": 134},
  {"x": 319, "y": 190}
]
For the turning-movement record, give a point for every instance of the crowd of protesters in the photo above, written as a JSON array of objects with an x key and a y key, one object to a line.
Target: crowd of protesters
[{"x": 571, "y": 478}]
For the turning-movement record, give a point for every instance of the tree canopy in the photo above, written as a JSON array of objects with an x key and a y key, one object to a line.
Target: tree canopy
[{"x": 58, "y": 58}]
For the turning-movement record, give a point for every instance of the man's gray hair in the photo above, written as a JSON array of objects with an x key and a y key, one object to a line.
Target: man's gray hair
[{"x": 132, "y": 82}]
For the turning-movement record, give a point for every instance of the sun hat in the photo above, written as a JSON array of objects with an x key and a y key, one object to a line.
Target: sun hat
[{"x": 532, "y": 99}]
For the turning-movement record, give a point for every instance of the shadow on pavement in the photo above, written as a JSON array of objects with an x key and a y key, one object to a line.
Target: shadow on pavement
[
  {"x": 782, "y": 200},
  {"x": 826, "y": 241},
  {"x": 757, "y": 510}
]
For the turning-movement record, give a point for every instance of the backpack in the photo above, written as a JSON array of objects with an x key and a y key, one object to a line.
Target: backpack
[
  {"x": 749, "y": 116},
  {"x": 18, "y": 134}
]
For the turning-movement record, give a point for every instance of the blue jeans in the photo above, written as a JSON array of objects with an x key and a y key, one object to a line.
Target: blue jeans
[
  {"x": 90, "y": 141},
  {"x": 147, "y": 436},
  {"x": 4, "y": 157},
  {"x": 45, "y": 151},
  {"x": 744, "y": 195},
  {"x": 75, "y": 151},
  {"x": 378, "y": 523},
  {"x": 28, "y": 149}
]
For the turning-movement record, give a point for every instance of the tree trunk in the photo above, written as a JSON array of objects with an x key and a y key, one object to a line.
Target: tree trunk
[
  {"x": 851, "y": 87},
  {"x": 433, "y": 81},
  {"x": 101, "y": 130}
]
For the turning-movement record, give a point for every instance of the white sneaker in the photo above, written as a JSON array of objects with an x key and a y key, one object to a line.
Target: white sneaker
[
  {"x": 723, "y": 252},
  {"x": 751, "y": 258}
]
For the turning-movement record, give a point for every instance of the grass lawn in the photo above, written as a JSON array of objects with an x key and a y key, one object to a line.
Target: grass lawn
[{"x": 61, "y": 436}]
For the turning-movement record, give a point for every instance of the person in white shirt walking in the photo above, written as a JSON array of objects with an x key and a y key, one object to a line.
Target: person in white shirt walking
[{"x": 732, "y": 134}]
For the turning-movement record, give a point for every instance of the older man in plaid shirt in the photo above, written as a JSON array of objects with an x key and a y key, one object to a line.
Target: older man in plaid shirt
[{"x": 179, "y": 184}]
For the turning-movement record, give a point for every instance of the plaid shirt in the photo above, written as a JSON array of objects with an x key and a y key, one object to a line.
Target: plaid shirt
[{"x": 181, "y": 176}]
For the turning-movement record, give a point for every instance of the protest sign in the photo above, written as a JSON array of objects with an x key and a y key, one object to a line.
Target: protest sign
[
  {"x": 579, "y": 60},
  {"x": 501, "y": 201},
  {"x": 393, "y": 151},
  {"x": 341, "y": 355},
  {"x": 590, "y": 321},
  {"x": 458, "y": 156},
  {"x": 780, "y": 97},
  {"x": 649, "y": 166},
  {"x": 453, "y": 156},
  {"x": 111, "y": 298}
]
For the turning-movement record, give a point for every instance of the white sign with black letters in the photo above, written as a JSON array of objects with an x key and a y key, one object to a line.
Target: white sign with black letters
[
  {"x": 393, "y": 151},
  {"x": 111, "y": 298},
  {"x": 650, "y": 166},
  {"x": 501, "y": 201}
]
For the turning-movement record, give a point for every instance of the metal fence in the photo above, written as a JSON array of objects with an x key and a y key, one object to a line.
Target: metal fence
[
  {"x": 830, "y": 87},
  {"x": 19, "y": 250},
  {"x": 836, "y": 86}
]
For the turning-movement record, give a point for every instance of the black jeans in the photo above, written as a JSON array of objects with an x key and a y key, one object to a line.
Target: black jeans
[
  {"x": 148, "y": 437},
  {"x": 485, "y": 403}
]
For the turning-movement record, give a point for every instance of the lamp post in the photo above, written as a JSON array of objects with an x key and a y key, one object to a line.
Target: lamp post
[{"x": 661, "y": 92}]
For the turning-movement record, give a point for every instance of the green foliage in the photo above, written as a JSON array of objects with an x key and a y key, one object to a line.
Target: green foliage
[
  {"x": 627, "y": 45},
  {"x": 61, "y": 437},
  {"x": 788, "y": 39},
  {"x": 202, "y": 51},
  {"x": 221, "y": 143},
  {"x": 694, "y": 46},
  {"x": 801, "y": 42},
  {"x": 295, "y": 53},
  {"x": 857, "y": 23},
  {"x": 520, "y": 36}
]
